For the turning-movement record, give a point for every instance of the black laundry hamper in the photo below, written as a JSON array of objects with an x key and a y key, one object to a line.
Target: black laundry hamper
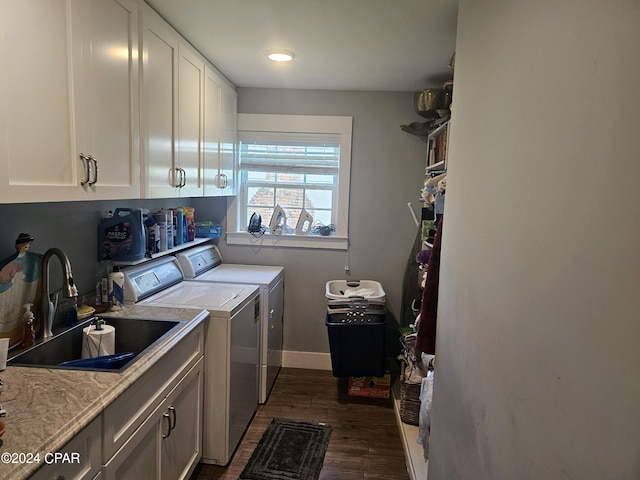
[{"x": 356, "y": 326}]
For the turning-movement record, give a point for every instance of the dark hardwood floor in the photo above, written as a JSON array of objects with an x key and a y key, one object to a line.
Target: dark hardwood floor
[{"x": 365, "y": 442}]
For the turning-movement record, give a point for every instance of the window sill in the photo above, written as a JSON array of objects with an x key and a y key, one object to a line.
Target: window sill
[{"x": 290, "y": 241}]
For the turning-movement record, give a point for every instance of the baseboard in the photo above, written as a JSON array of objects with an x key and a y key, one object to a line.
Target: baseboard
[
  {"x": 310, "y": 360},
  {"x": 413, "y": 452}
]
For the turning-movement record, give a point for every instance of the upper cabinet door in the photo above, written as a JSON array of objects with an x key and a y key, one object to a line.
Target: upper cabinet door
[
  {"x": 212, "y": 133},
  {"x": 37, "y": 149},
  {"x": 106, "y": 43},
  {"x": 68, "y": 127},
  {"x": 158, "y": 108},
  {"x": 229, "y": 157},
  {"x": 220, "y": 134},
  {"x": 188, "y": 173}
]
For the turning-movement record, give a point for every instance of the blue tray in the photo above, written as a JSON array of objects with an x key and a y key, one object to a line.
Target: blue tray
[{"x": 106, "y": 361}]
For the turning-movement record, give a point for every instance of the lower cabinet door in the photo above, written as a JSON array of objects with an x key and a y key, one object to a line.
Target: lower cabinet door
[
  {"x": 138, "y": 458},
  {"x": 168, "y": 444},
  {"x": 78, "y": 460},
  {"x": 182, "y": 427}
]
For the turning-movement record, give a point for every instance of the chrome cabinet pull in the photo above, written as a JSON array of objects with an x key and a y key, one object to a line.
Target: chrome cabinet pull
[
  {"x": 95, "y": 170},
  {"x": 183, "y": 175},
  {"x": 176, "y": 173},
  {"x": 86, "y": 167},
  {"x": 168, "y": 418},
  {"x": 172, "y": 411}
]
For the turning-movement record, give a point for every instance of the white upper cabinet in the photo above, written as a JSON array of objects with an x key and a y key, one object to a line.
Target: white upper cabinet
[
  {"x": 220, "y": 134},
  {"x": 107, "y": 102},
  {"x": 229, "y": 160},
  {"x": 188, "y": 171},
  {"x": 173, "y": 89},
  {"x": 68, "y": 127},
  {"x": 74, "y": 124},
  {"x": 158, "y": 107},
  {"x": 37, "y": 150}
]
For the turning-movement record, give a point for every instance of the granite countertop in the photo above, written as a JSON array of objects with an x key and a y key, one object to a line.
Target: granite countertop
[{"x": 47, "y": 407}]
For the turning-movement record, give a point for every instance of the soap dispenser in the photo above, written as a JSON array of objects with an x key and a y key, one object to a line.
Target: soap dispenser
[{"x": 29, "y": 336}]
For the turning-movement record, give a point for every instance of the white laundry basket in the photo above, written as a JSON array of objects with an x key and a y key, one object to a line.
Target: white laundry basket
[{"x": 344, "y": 289}]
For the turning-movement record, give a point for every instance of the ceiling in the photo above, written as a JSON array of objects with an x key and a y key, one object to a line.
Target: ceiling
[{"x": 376, "y": 45}]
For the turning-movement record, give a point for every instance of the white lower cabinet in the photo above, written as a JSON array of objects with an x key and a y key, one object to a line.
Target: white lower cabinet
[
  {"x": 168, "y": 443},
  {"x": 181, "y": 427},
  {"x": 80, "y": 458},
  {"x": 152, "y": 431}
]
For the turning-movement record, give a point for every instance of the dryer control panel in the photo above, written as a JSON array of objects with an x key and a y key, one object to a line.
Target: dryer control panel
[
  {"x": 144, "y": 280},
  {"x": 198, "y": 260}
]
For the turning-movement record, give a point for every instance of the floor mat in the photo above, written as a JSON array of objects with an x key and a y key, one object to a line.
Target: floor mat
[{"x": 288, "y": 450}]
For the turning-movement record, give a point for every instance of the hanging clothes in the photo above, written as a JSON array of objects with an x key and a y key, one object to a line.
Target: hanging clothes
[{"x": 426, "y": 334}]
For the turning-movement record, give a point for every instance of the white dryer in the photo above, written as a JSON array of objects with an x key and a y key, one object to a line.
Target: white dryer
[
  {"x": 204, "y": 264},
  {"x": 231, "y": 353}
]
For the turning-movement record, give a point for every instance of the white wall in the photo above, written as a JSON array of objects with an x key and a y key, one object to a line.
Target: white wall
[{"x": 538, "y": 349}]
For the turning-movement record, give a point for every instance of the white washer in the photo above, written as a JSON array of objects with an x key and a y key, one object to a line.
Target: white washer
[
  {"x": 204, "y": 264},
  {"x": 231, "y": 353}
]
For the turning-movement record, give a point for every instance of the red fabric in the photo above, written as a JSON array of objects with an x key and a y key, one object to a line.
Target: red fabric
[{"x": 426, "y": 334}]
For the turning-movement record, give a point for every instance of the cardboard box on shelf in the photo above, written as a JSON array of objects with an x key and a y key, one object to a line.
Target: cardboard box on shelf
[{"x": 372, "y": 387}]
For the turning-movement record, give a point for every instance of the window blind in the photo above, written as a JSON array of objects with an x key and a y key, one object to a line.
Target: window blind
[{"x": 303, "y": 152}]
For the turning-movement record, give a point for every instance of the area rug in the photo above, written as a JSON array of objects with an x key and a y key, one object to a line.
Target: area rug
[{"x": 288, "y": 450}]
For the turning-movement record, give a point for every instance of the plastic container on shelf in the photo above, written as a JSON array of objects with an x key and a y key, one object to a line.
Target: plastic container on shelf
[
  {"x": 207, "y": 230},
  {"x": 121, "y": 236}
]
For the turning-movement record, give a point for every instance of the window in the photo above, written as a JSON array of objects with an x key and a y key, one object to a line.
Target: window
[{"x": 300, "y": 163}]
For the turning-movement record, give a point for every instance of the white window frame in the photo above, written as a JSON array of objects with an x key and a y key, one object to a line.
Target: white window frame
[{"x": 237, "y": 235}]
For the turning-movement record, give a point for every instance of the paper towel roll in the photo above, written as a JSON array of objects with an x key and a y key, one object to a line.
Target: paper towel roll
[{"x": 96, "y": 343}]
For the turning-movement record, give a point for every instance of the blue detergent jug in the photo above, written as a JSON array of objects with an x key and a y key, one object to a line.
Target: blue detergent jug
[{"x": 121, "y": 237}]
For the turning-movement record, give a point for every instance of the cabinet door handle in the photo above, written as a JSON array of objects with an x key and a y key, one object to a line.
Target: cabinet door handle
[
  {"x": 178, "y": 177},
  {"x": 168, "y": 418},
  {"x": 95, "y": 170},
  {"x": 174, "y": 418},
  {"x": 85, "y": 167},
  {"x": 181, "y": 179}
]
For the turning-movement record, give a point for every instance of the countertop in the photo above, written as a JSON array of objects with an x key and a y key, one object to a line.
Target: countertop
[{"x": 47, "y": 407}]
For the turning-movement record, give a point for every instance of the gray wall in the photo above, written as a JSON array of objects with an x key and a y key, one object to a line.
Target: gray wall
[
  {"x": 387, "y": 172},
  {"x": 538, "y": 328},
  {"x": 71, "y": 226}
]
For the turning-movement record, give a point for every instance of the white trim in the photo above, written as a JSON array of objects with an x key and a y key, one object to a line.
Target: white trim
[
  {"x": 417, "y": 466},
  {"x": 310, "y": 360},
  {"x": 294, "y": 123},
  {"x": 295, "y": 241},
  {"x": 339, "y": 125}
]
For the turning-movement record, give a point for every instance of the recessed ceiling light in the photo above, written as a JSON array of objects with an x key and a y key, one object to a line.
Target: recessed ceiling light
[{"x": 280, "y": 56}]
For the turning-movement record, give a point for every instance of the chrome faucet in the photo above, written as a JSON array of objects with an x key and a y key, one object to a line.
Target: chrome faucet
[{"x": 50, "y": 300}]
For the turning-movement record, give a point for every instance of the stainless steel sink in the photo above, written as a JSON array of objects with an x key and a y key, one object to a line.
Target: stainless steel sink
[{"x": 132, "y": 335}]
